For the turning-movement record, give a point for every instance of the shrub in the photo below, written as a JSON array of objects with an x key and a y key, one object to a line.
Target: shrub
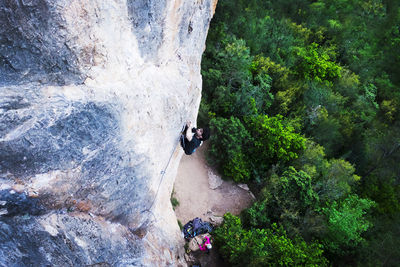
[{"x": 264, "y": 247}]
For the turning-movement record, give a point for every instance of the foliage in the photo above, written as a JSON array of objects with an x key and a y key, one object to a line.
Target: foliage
[
  {"x": 258, "y": 215},
  {"x": 231, "y": 88},
  {"x": 287, "y": 200},
  {"x": 282, "y": 81},
  {"x": 383, "y": 243},
  {"x": 336, "y": 180},
  {"x": 297, "y": 185},
  {"x": 261, "y": 141},
  {"x": 384, "y": 193},
  {"x": 261, "y": 247},
  {"x": 333, "y": 179},
  {"x": 346, "y": 223},
  {"x": 313, "y": 85},
  {"x": 229, "y": 139},
  {"x": 174, "y": 200},
  {"x": 326, "y": 130},
  {"x": 315, "y": 64},
  {"x": 271, "y": 140},
  {"x": 311, "y": 160}
]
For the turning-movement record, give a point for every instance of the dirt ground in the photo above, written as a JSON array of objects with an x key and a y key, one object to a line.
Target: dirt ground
[{"x": 193, "y": 189}]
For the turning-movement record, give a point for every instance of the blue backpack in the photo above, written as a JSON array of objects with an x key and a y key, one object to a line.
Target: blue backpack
[{"x": 196, "y": 227}]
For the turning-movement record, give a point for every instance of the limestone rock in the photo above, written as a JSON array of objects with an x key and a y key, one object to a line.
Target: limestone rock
[
  {"x": 244, "y": 187},
  {"x": 196, "y": 241},
  {"x": 92, "y": 98},
  {"x": 216, "y": 220},
  {"x": 214, "y": 180},
  {"x": 190, "y": 259}
]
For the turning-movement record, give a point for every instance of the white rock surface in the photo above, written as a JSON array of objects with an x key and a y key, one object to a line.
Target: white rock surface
[
  {"x": 93, "y": 96},
  {"x": 244, "y": 187},
  {"x": 214, "y": 180},
  {"x": 216, "y": 220}
]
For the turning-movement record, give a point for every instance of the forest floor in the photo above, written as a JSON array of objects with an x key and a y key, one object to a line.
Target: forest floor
[{"x": 201, "y": 193}]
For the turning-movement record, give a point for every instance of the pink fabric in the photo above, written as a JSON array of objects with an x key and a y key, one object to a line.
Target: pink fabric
[{"x": 203, "y": 247}]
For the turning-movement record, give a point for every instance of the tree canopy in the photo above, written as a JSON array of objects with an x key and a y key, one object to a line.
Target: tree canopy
[{"x": 303, "y": 100}]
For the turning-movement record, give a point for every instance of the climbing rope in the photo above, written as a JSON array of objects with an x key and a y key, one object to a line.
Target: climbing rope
[{"x": 162, "y": 177}]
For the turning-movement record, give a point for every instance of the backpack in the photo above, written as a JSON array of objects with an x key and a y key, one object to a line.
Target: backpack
[
  {"x": 206, "y": 227},
  {"x": 188, "y": 230},
  {"x": 197, "y": 222},
  {"x": 196, "y": 227}
]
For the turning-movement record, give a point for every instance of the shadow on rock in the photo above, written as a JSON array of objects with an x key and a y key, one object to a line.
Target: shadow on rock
[{"x": 13, "y": 203}]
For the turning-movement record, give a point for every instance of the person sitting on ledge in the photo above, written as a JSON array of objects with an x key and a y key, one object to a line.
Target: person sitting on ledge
[
  {"x": 191, "y": 140},
  {"x": 206, "y": 246}
]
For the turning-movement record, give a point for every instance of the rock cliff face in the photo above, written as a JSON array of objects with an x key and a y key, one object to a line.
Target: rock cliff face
[{"x": 93, "y": 97}]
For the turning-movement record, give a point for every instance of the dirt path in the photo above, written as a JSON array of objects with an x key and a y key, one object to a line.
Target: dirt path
[
  {"x": 197, "y": 199},
  {"x": 193, "y": 189}
]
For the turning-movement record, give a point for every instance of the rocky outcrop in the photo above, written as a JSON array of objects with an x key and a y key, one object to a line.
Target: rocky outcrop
[{"x": 93, "y": 97}]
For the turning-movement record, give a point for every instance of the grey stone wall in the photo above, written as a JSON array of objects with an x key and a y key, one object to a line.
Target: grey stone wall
[
  {"x": 33, "y": 44},
  {"x": 92, "y": 99}
]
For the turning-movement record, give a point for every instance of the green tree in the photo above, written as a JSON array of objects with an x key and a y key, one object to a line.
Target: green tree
[
  {"x": 346, "y": 222},
  {"x": 336, "y": 180},
  {"x": 325, "y": 129},
  {"x": 295, "y": 187},
  {"x": 231, "y": 89},
  {"x": 380, "y": 167},
  {"x": 228, "y": 143},
  {"x": 311, "y": 160},
  {"x": 272, "y": 141},
  {"x": 331, "y": 69},
  {"x": 383, "y": 243},
  {"x": 385, "y": 192},
  {"x": 332, "y": 179},
  {"x": 286, "y": 199},
  {"x": 316, "y": 64},
  {"x": 261, "y": 247},
  {"x": 282, "y": 83}
]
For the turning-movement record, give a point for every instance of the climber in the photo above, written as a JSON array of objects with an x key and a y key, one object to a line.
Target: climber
[{"x": 189, "y": 141}]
